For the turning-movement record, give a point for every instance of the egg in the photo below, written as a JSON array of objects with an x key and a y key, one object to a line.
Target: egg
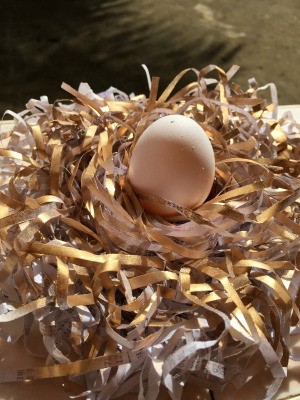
[{"x": 172, "y": 159}]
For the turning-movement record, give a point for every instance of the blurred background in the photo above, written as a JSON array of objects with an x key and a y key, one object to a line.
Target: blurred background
[{"x": 104, "y": 43}]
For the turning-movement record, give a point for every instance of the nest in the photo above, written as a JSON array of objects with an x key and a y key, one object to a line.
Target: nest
[{"x": 122, "y": 298}]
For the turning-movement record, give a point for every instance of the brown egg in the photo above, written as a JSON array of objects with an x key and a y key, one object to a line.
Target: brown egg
[{"x": 173, "y": 159}]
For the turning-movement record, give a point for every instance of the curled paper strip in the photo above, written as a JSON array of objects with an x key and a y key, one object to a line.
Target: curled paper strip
[{"x": 126, "y": 301}]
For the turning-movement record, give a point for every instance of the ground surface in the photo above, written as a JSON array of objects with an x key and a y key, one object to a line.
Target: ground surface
[{"x": 44, "y": 43}]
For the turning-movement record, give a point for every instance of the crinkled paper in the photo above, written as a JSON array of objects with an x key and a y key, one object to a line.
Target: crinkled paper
[{"x": 126, "y": 301}]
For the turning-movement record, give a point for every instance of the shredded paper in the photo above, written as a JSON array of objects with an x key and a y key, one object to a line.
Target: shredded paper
[{"x": 129, "y": 302}]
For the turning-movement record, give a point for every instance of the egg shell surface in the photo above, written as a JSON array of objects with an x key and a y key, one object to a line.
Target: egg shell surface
[{"x": 173, "y": 159}]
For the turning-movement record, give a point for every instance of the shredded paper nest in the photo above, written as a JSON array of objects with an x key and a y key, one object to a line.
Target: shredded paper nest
[{"x": 129, "y": 302}]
